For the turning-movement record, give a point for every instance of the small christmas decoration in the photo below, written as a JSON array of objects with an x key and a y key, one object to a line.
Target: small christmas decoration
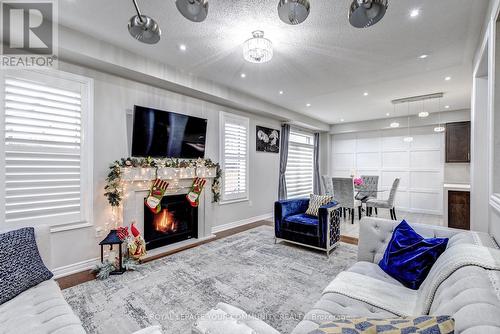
[
  {"x": 193, "y": 196},
  {"x": 136, "y": 244},
  {"x": 153, "y": 201}
]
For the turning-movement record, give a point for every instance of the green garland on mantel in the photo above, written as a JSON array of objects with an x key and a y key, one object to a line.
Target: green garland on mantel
[{"x": 114, "y": 188}]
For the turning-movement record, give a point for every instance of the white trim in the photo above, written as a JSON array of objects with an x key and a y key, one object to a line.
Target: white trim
[
  {"x": 220, "y": 228},
  {"x": 74, "y": 268}
]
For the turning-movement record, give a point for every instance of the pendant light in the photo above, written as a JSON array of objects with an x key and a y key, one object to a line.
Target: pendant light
[
  {"x": 423, "y": 113},
  {"x": 409, "y": 138},
  {"x": 394, "y": 124},
  {"x": 440, "y": 128},
  {"x": 143, "y": 28},
  {"x": 365, "y": 13},
  {"x": 294, "y": 11},
  {"x": 193, "y": 10}
]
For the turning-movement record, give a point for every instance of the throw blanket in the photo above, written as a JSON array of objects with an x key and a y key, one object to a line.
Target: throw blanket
[{"x": 405, "y": 302}]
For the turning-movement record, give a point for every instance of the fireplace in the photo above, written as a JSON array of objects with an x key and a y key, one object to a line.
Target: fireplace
[{"x": 177, "y": 221}]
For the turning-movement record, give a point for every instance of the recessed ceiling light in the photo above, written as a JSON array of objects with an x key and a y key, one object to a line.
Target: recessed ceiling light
[
  {"x": 182, "y": 47},
  {"x": 388, "y": 114},
  {"x": 423, "y": 56},
  {"x": 423, "y": 114},
  {"x": 394, "y": 125},
  {"x": 365, "y": 94},
  {"x": 281, "y": 92},
  {"x": 447, "y": 78},
  {"x": 308, "y": 105},
  {"x": 243, "y": 75},
  {"x": 439, "y": 129},
  {"x": 342, "y": 120},
  {"x": 446, "y": 107},
  {"x": 415, "y": 12}
]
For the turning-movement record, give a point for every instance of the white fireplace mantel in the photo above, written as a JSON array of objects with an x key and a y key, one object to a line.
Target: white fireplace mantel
[{"x": 137, "y": 183}]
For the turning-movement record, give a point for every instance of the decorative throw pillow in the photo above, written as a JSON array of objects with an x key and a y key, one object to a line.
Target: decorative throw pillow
[
  {"x": 422, "y": 324},
  {"x": 317, "y": 201},
  {"x": 409, "y": 257},
  {"x": 21, "y": 266}
]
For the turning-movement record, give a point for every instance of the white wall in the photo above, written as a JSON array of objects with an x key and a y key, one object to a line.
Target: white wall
[
  {"x": 74, "y": 250},
  {"x": 419, "y": 165}
]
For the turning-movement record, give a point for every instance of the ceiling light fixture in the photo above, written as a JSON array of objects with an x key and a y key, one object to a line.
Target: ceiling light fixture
[
  {"x": 415, "y": 13},
  {"x": 258, "y": 49},
  {"x": 365, "y": 13},
  {"x": 308, "y": 105},
  {"x": 281, "y": 92},
  {"x": 439, "y": 128},
  {"x": 143, "y": 28},
  {"x": 423, "y": 114},
  {"x": 446, "y": 107},
  {"x": 447, "y": 78},
  {"x": 394, "y": 125},
  {"x": 424, "y": 56},
  {"x": 409, "y": 138},
  {"x": 365, "y": 94},
  {"x": 294, "y": 11},
  {"x": 388, "y": 114},
  {"x": 342, "y": 120},
  {"x": 243, "y": 75},
  {"x": 193, "y": 10},
  {"x": 182, "y": 47}
]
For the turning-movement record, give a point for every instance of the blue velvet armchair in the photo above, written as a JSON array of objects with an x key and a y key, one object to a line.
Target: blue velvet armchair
[{"x": 292, "y": 224}]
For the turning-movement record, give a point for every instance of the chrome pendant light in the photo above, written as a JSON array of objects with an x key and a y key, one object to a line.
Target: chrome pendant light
[
  {"x": 294, "y": 11},
  {"x": 193, "y": 10},
  {"x": 143, "y": 28},
  {"x": 365, "y": 13}
]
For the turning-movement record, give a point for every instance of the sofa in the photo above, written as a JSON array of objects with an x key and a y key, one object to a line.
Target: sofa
[
  {"x": 292, "y": 224},
  {"x": 43, "y": 309},
  {"x": 471, "y": 294}
]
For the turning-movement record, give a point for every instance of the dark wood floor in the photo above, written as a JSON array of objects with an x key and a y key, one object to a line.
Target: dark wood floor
[{"x": 85, "y": 276}]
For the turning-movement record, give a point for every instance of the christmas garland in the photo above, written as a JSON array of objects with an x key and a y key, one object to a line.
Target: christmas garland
[{"x": 114, "y": 190}]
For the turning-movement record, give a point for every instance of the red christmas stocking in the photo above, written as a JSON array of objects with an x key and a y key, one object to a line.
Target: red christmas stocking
[
  {"x": 153, "y": 201},
  {"x": 193, "y": 196}
]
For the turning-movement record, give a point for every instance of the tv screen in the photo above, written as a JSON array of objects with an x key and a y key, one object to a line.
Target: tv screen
[{"x": 162, "y": 134}]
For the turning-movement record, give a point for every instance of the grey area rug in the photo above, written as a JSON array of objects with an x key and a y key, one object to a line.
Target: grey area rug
[{"x": 277, "y": 282}]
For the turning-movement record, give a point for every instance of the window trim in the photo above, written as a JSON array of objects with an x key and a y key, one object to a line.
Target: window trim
[
  {"x": 87, "y": 144},
  {"x": 222, "y": 118},
  {"x": 298, "y": 144}
]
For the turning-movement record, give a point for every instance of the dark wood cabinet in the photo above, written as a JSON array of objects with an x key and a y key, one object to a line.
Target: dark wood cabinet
[
  {"x": 458, "y": 142},
  {"x": 459, "y": 209}
]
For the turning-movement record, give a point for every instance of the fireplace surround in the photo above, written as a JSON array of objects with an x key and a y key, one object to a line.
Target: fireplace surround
[{"x": 177, "y": 221}]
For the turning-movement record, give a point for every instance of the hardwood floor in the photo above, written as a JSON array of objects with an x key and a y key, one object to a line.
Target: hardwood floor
[{"x": 85, "y": 276}]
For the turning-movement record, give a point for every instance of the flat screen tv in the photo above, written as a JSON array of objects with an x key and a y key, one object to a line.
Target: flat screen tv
[{"x": 162, "y": 134}]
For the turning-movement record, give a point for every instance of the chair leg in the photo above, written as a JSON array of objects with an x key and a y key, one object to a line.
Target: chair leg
[
  {"x": 376, "y": 211},
  {"x": 394, "y": 213},
  {"x": 352, "y": 216},
  {"x": 359, "y": 212}
]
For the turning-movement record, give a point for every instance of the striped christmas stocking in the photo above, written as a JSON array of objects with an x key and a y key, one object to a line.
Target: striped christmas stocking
[
  {"x": 193, "y": 196},
  {"x": 153, "y": 201}
]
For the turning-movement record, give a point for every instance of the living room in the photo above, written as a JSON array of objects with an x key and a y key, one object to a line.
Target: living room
[{"x": 222, "y": 166}]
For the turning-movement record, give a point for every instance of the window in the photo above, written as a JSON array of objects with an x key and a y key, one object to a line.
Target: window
[
  {"x": 299, "y": 169},
  {"x": 234, "y": 155},
  {"x": 46, "y": 166}
]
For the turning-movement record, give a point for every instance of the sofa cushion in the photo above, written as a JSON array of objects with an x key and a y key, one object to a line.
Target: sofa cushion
[
  {"x": 42, "y": 310},
  {"x": 317, "y": 201},
  {"x": 21, "y": 266},
  {"x": 409, "y": 257},
  {"x": 373, "y": 270},
  {"x": 302, "y": 223},
  {"x": 421, "y": 324}
]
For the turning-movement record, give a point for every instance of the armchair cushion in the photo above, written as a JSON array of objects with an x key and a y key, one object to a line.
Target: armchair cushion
[
  {"x": 409, "y": 257},
  {"x": 302, "y": 223},
  {"x": 317, "y": 201}
]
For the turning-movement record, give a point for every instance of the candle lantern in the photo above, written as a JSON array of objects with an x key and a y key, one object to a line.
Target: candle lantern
[{"x": 113, "y": 239}]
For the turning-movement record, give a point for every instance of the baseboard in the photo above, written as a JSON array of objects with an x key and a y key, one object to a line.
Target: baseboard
[
  {"x": 74, "y": 268},
  {"x": 220, "y": 228}
]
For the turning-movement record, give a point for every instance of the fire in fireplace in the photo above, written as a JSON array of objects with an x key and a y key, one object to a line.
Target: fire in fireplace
[{"x": 177, "y": 221}]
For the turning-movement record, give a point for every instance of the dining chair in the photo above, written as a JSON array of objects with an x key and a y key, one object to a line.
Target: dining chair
[
  {"x": 385, "y": 204},
  {"x": 343, "y": 193},
  {"x": 369, "y": 190},
  {"x": 327, "y": 185}
]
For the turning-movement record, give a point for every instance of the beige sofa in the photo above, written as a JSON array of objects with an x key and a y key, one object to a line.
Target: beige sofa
[{"x": 470, "y": 294}]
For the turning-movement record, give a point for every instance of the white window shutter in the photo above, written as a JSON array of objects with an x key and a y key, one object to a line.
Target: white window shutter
[
  {"x": 234, "y": 153},
  {"x": 43, "y": 152},
  {"x": 300, "y": 166}
]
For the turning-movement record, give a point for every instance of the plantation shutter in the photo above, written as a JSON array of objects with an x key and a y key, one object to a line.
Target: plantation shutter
[
  {"x": 235, "y": 157},
  {"x": 43, "y": 152},
  {"x": 300, "y": 166}
]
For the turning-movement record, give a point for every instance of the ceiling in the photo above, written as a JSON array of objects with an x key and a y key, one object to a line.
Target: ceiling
[{"x": 323, "y": 62}]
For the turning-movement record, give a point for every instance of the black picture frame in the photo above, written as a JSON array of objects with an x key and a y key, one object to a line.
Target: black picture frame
[{"x": 267, "y": 139}]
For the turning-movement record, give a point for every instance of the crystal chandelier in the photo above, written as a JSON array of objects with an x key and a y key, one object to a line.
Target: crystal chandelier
[{"x": 258, "y": 49}]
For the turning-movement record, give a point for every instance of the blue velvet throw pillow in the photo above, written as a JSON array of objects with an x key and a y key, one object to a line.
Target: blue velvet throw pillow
[
  {"x": 21, "y": 266},
  {"x": 409, "y": 257}
]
